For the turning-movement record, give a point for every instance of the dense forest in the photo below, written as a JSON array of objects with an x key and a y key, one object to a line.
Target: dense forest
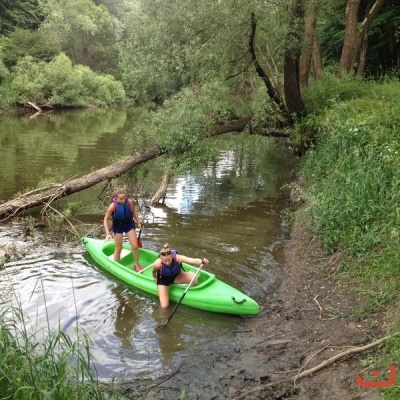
[
  {"x": 85, "y": 52},
  {"x": 324, "y": 73}
]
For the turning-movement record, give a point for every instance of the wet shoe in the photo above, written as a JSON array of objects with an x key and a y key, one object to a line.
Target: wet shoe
[{"x": 138, "y": 268}]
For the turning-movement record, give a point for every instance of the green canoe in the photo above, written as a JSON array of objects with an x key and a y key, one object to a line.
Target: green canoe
[{"x": 209, "y": 294}]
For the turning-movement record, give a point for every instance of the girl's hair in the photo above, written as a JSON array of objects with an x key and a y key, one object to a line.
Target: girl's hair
[
  {"x": 120, "y": 191},
  {"x": 166, "y": 246}
]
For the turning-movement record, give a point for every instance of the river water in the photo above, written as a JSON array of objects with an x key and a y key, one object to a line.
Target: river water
[{"x": 228, "y": 211}]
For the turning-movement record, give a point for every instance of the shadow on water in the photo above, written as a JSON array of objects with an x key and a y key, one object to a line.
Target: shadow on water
[{"x": 228, "y": 211}]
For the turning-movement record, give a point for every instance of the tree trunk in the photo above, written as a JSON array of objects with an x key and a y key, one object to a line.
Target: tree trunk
[
  {"x": 293, "y": 99},
  {"x": 310, "y": 24},
  {"x": 350, "y": 34},
  {"x": 45, "y": 196},
  {"x": 354, "y": 37},
  {"x": 361, "y": 43},
  {"x": 362, "y": 56},
  {"x": 272, "y": 92},
  {"x": 50, "y": 194},
  {"x": 318, "y": 65}
]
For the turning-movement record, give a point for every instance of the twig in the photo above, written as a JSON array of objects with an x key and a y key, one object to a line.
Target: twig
[
  {"x": 317, "y": 367},
  {"x": 66, "y": 219},
  {"x": 304, "y": 365},
  {"x": 319, "y": 305}
]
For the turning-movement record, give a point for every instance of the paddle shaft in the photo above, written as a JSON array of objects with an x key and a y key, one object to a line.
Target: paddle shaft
[
  {"x": 144, "y": 269},
  {"x": 184, "y": 293},
  {"x": 138, "y": 239}
]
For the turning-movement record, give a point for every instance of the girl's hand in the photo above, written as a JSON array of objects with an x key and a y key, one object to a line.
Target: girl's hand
[{"x": 108, "y": 237}]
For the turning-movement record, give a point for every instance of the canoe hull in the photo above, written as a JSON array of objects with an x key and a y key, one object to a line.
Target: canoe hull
[{"x": 211, "y": 294}]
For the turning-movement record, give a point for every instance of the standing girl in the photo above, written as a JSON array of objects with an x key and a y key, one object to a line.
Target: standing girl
[{"x": 123, "y": 213}]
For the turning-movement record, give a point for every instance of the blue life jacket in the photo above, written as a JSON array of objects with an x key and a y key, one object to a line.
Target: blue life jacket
[
  {"x": 170, "y": 272},
  {"x": 122, "y": 214}
]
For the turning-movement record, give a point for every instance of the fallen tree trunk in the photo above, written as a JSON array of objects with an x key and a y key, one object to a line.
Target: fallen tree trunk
[
  {"x": 49, "y": 194},
  {"x": 45, "y": 196}
]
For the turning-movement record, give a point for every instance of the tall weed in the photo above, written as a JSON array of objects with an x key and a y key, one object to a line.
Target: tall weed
[
  {"x": 353, "y": 177},
  {"x": 56, "y": 368}
]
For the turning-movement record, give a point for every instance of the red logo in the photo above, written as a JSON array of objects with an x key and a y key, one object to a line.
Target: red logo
[{"x": 361, "y": 382}]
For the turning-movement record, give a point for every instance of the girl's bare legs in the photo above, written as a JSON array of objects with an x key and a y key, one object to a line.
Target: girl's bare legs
[
  {"x": 163, "y": 294},
  {"x": 118, "y": 246},
  {"x": 186, "y": 277},
  {"x": 134, "y": 244}
]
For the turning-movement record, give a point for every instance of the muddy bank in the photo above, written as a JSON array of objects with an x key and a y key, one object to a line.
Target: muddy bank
[{"x": 308, "y": 322}]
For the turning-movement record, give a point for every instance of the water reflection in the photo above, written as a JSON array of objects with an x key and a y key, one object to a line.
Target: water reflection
[
  {"x": 228, "y": 211},
  {"x": 60, "y": 143}
]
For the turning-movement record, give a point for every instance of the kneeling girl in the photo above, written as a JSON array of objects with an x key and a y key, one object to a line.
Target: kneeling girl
[{"x": 167, "y": 269}]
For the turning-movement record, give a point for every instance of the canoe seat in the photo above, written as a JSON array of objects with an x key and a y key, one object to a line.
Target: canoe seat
[{"x": 124, "y": 252}]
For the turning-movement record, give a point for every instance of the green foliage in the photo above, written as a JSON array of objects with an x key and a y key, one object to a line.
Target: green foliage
[
  {"x": 8, "y": 97},
  {"x": 178, "y": 44},
  {"x": 29, "y": 80},
  {"x": 352, "y": 191},
  {"x": 24, "y": 14},
  {"x": 392, "y": 350},
  {"x": 190, "y": 117},
  {"x": 38, "y": 44},
  {"x": 62, "y": 84},
  {"x": 58, "y": 368},
  {"x": 320, "y": 96},
  {"x": 94, "y": 41},
  {"x": 353, "y": 178}
]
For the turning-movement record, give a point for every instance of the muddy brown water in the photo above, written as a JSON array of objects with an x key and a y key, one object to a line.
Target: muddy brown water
[{"x": 228, "y": 211}]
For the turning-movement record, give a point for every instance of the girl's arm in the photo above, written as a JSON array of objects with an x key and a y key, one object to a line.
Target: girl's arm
[
  {"x": 156, "y": 267},
  {"x": 191, "y": 261},
  {"x": 107, "y": 217}
]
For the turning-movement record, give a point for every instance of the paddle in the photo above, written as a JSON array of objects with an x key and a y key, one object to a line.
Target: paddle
[
  {"x": 184, "y": 293},
  {"x": 139, "y": 242},
  {"x": 144, "y": 269}
]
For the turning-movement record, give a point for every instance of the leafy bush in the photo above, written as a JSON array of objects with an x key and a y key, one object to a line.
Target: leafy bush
[
  {"x": 60, "y": 83},
  {"x": 37, "y": 44},
  {"x": 7, "y": 95}
]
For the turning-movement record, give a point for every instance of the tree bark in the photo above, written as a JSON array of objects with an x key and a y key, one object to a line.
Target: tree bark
[
  {"x": 355, "y": 37},
  {"x": 361, "y": 42},
  {"x": 350, "y": 33},
  {"x": 272, "y": 92},
  {"x": 318, "y": 65},
  {"x": 293, "y": 99},
  {"x": 162, "y": 188},
  {"x": 310, "y": 23}
]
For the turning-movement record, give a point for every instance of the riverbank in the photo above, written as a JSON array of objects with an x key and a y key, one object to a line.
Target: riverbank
[{"x": 308, "y": 322}]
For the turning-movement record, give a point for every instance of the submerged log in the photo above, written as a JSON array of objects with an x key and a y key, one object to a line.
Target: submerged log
[{"x": 162, "y": 188}]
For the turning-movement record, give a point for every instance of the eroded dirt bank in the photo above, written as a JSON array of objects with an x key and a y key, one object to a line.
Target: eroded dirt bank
[{"x": 309, "y": 322}]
